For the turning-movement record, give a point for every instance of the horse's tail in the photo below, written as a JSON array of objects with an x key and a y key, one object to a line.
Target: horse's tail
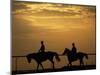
[
  {"x": 57, "y": 57},
  {"x": 86, "y": 56}
]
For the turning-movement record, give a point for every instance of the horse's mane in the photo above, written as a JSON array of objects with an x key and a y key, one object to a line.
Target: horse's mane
[{"x": 66, "y": 49}]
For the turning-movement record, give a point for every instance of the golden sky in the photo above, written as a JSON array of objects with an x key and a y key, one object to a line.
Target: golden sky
[{"x": 57, "y": 24}]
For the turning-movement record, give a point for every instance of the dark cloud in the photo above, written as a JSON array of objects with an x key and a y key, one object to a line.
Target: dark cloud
[
  {"x": 19, "y": 5},
  {"x": 91, "y": 9}
]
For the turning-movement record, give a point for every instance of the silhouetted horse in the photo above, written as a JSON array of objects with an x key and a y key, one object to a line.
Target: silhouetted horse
[
  {"x": 42, "y": 56},
  {"x": 78, "y": 56}
]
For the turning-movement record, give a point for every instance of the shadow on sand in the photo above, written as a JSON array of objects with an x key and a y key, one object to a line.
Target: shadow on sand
[{"x": 65, "y": 68}]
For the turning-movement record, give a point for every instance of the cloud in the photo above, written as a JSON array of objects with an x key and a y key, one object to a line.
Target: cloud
[
  {"x": 47, "y": 16},
  {"x": 44, "y": 9},
  {"x": 38, "y": 9},
  {"x": 19, "y": 6},
  {"x": 52, "y": 10}
]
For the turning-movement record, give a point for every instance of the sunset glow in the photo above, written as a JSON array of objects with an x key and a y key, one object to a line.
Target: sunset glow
[{"x": 53, "y": 23}]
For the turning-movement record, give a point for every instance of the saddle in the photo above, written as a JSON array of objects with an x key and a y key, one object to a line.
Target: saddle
[{"x": 73, "y": 55}]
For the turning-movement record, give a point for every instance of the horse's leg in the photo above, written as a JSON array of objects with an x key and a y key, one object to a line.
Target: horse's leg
[
  {"x": 81, "y": 62},
  {"x": 70, "y": 63},
  {"x": 52, "y": 63},
  {"x": 41, "y": 66},
  {"x": 37, "y": 66}
]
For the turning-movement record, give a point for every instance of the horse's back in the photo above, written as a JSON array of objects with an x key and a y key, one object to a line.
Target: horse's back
[
  {"x": 81, "y": 53},
  {"x": 31, "y": 54}
]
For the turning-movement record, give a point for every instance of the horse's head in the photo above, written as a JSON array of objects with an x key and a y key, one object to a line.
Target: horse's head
[
  {"x": 28, "y": 58},
  {"x": 57, "y": 57},
  {"x": 66, "y": 51}
]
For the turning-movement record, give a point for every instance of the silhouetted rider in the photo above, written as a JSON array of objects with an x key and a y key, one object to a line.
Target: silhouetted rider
[
  {"x": 42, "y": 48},
  {"x": 74, "y": 50}
]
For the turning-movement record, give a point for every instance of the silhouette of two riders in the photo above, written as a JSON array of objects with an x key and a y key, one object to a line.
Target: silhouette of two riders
[
  {"x": 73, "y": 52},
  {"x": 42, "y": 48}
]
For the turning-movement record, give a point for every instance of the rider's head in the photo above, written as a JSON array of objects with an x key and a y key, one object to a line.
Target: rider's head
[
  {"x": 73, "y": 44},
  {"x": 41, "y": 42}
]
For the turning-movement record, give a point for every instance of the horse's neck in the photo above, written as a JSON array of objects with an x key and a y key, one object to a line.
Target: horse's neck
[
  {"x": 33, "y": 55},
  {"x": 68, "y": 52}
]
